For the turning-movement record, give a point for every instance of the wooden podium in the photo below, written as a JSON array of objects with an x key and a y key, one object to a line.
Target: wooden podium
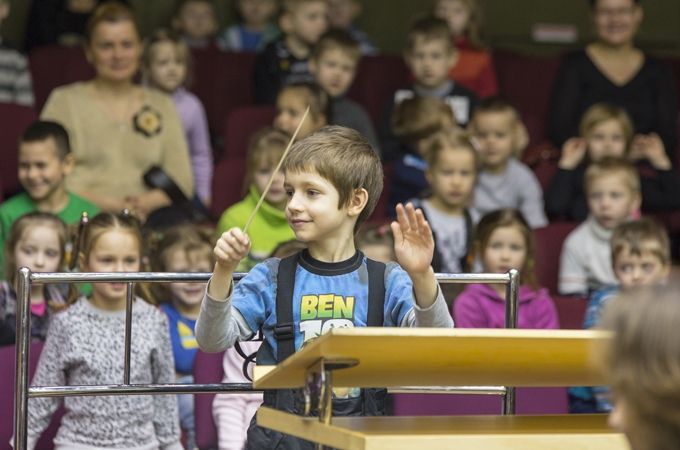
[{"x": 395, "y": 357}]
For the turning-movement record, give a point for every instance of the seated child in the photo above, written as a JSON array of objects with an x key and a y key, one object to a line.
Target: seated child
[
  {"x": 606, "y": 130},
  {"x": 641, "y": 256},
  {"x": 334, "y": 65},
  {"x": 414, "y": 122},
  {"x": 452, "y": 164},
  {"x": 642, "y": 364},
  {"x": 342, "y": 15},
  {"x": 612, "y": 188},
  {"x": 376, "y": 242},
  {"x": 85, "y": 344},
  {"x": 167, "y": 61},
  {"x": 291, "y": 104},
  {"x": 430, "y": 55},
  {"x": 17, "y": 85},
  {"x": 333, "y": 179},
  {"x": 285, "y": 60},
  {"x": 269, "y": 227},
  {"x": 474, "y": 66},
  {"x": 504, "y": 181},
  {"x": 196, "y": 23},
  {"x": 254, "y": 28},
  {"x": 36, "y": 240},
  {"x": 504, "y": 241},
  {"x": 183, "y": 248},
  {"x": 45, "y": 160}
]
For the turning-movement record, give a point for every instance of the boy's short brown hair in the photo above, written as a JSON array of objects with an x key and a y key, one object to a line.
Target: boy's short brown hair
[
  {"x": 337, "y": 39},
  {"x": 611, "y": 165},
  {"x": 345, "y": 158},
  {"x": 428, "y": 28},
  {"x": 418, "y": 118},
  {"x": 641, "y": 236},
  {"x": 496, "y": 104}
]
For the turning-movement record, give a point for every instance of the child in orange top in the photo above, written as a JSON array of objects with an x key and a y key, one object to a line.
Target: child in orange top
[{"x": 474, "y": 67}]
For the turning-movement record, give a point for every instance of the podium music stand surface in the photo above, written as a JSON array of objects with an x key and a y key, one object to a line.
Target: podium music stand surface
[
  {"x": 389, "y": 357},
  {"x": 393, "y": 357}
]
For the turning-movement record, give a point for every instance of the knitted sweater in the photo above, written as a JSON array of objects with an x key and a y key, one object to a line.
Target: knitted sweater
[
  {"x": 85, "y": 346},
  {"x": 112, "y": 156}
]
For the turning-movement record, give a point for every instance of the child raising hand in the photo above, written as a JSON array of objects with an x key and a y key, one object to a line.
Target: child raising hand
[{"x": 333, "y": 179}]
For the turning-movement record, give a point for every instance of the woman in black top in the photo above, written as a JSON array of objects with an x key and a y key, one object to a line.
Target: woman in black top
[{"x": 613, "y": 70}]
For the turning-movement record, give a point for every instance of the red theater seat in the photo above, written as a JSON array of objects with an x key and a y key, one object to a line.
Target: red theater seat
[
  {"x": 571, "y": 311},
  {"x": 548, "y": 248},
  {"x": 378, "y": 77},
  {"x": 7, "y": 365},
  {"x": 223, "y": 81},
  {"x": 55, "y": 65},
  {"x": 207, "y": 369},
  {"x": 15, "y": 119},
  {"x": 240, "y": 124},
  {"x": 227, "y": 186},
  {"x": 527, "y": 82}
]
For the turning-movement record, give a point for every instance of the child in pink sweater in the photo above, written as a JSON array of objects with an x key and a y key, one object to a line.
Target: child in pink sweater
[{"x": 504, "y": 241}]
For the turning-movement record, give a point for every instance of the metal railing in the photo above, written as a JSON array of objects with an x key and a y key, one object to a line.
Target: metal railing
[{"x": 23, "y": 391}]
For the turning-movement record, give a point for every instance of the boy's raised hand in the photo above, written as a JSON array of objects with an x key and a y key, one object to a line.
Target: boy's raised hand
[
  {"x": 413, "y": 241},
  {"x": 229, "y": 250}
]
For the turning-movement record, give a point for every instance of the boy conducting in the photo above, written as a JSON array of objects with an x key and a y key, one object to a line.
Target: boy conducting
[{"x": 333, "y": 179}]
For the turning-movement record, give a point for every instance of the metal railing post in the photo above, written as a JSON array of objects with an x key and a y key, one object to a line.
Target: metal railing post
[
  {"x": 511, "y": 305},
  {"x": 128, "y": 331},
  {"x": 23, "y": 336}
]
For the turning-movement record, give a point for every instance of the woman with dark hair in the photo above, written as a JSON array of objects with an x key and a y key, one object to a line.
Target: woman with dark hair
[
  {"x": 121, "y": 131},
  {"x": 613, "y": 70}
]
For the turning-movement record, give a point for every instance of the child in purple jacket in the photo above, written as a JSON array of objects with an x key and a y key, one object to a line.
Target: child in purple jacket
[{"x": 504, "y": 241}]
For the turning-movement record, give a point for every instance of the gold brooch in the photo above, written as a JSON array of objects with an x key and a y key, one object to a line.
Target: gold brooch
[{"x": 148, "y": 121}]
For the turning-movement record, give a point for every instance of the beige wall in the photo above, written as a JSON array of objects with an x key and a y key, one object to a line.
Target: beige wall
[{"x": 508, "y": 23}]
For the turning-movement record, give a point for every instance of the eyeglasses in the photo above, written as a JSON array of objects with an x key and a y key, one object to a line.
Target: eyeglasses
[{"x": 618, "y": 12}]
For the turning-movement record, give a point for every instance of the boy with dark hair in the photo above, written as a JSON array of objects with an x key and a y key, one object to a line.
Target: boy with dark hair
[
  {"x": 45, "y": 160},
  {"x": 430, "y": 54},
  {"x": 285, "y": 61},
  {"x": 333, "y": 63},
  {"x": 333, "y": 179}
]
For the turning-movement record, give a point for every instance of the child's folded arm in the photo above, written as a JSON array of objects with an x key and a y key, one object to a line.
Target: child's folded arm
[{"x": 219, "y": 325}]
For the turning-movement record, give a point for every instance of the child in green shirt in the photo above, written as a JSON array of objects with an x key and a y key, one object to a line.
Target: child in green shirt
[{"x": 45, "y": 160}]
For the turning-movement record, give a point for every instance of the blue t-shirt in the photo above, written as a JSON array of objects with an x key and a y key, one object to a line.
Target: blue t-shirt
[
  {"x": 599, "y": 395},
  {"x": 184, "y": 345},
  {"x": 325, "y": 296},
  {"x": 250, "y": 41}
]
